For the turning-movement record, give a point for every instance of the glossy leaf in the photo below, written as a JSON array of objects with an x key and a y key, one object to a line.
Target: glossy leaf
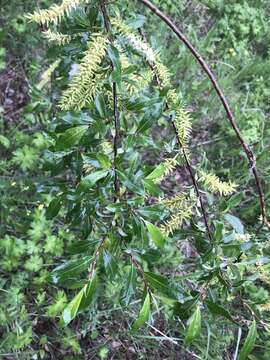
[
  {"x": 88, "y": 181},
  {"x": 143, "y": 315},
  {"x": 235, "y": 223},
  {"x": 194, "y": 326},
  {"x": 156, "y": 235},
  {"x": 161, "y": 284},
  {"x": 70, "y": 137},
  {"x": 249, "y": 342},
  {"x": 82, "y": 300},
  {"x": 70, "y": 269},
  {"x": 54, "y": 208},
  {"x": 101, "y": 105},
  {"x": 157, "y": 172},
  {"x": 129, "y": 287},
  {"x": 219, "y": 310}
]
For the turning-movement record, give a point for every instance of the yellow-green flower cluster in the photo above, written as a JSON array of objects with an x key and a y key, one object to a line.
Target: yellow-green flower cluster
[
  {"x": 55, "y": 13},
  {"x": 214, "y": 184},
  {"x": 139, "y": 82},
  {"x": 182, "y": 120},
  {"x": 85, "y": 83},
  {"x": 181, "y": 208},
  {"x": 46, "y": 76},
  {"x": 145, "y": 50},
  {"x": 163, "y": 170},
  {"x": 56, "y": 37}
]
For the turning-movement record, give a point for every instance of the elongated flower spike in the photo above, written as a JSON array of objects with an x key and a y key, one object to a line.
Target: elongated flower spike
[
  {"x": 55, "y": 13},
  {"x": 181, "y": 208},
  {"x": 46, "y": 76},
  {"x": 145, "y": 50},
  {"x": 56, "y": 37},
  {"x": 214, "y": 184},
  {"x": 86, "y": 82}
]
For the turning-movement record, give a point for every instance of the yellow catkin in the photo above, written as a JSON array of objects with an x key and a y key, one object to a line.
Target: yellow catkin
[
  {"x": 169, "y": 165},
  {"x": 182, "y": 118},
  {"x": 46, "y": 76},
  {"x": 181, "y": 208},
  {"x": 56, "y": 37},
  {"x": 85, "y": 83},
  {"x": 214, "y": 184},
  {"x": 55, "y": 13},
  {"x": 145, "y": 50}
]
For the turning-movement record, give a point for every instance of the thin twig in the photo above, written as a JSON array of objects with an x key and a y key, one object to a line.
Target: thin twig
[
  {"x": 194, "y": 182},
  {"x": 116, "y": 139},
  {"x": 139, "y": 268},
  {"x": 251, "y": 157},
  {"x": 93, "y": 266}
]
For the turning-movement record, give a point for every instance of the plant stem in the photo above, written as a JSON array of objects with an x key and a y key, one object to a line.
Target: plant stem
[
  {"x": 251, "y": 157},
  {"x": 116, "y": 139},
  {"x": 194, "y": 182},
  {"x": 195, "y": 185}
]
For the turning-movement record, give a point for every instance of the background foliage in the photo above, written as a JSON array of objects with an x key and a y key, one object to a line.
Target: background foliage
[{"x": 36, "y": 186}]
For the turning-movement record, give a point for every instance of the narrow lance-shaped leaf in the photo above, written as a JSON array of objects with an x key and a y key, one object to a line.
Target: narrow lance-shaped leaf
[
  {"x": 82, "y": 300},
  {"x": 194, "y": 327},
  {"x": 143, "y": 315},
  {"x": 235, "y": 223},
  {"x": 219, "y": 310},
  {"x": 54, "y": 208},
  {"x": 157, "y": 173},
  {"x": 70, "y": 137},
  {"x": 249, "y": 342},
  {"x": 129, "y": 287},
  {"x": 101, "y": 106},
  {"x": 90, "y": 180},
  {"x": 156, "y": 234}
]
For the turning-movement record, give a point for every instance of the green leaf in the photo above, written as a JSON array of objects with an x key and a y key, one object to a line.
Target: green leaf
[
  {"x": 91, "y": 179},
  {"x": 152, "y": 188},
  {"x": 101, "y": 105},
  {"x": 82, "y": 246},
  {"x": 70, "y": 269},
  {"x": 129, "y": 288},
  {"x": 144, "y": 124},
  {"x": 218, "y": 231},
  {"x": 115, "y": 58},
  {"x": 72, "y": 309},
  {"x": 160, "y": 284},
  {"x": 249, "y": 342},
  {"x": 70, "y": 137},
  {"x": 235, "y": 223},
  {"x": 54, "y": 208},
  {"x": 235, "y": 200},
  {"x": 155, "y": 234},
  {"x": 143, "y": 315},
  {"x": 152, "y": 212},
  {"x": 82, "y": 300},
  {"x": 219, "y": 310},
  {"x": 157, "y": 173},
  {"x": 194, "y": 327}
]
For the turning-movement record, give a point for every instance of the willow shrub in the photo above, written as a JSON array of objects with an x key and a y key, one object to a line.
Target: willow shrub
[{"x": 122, "y": 132}]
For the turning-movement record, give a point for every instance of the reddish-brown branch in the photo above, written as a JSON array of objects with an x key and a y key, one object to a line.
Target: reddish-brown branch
[{"x": 251, "y": 157}]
